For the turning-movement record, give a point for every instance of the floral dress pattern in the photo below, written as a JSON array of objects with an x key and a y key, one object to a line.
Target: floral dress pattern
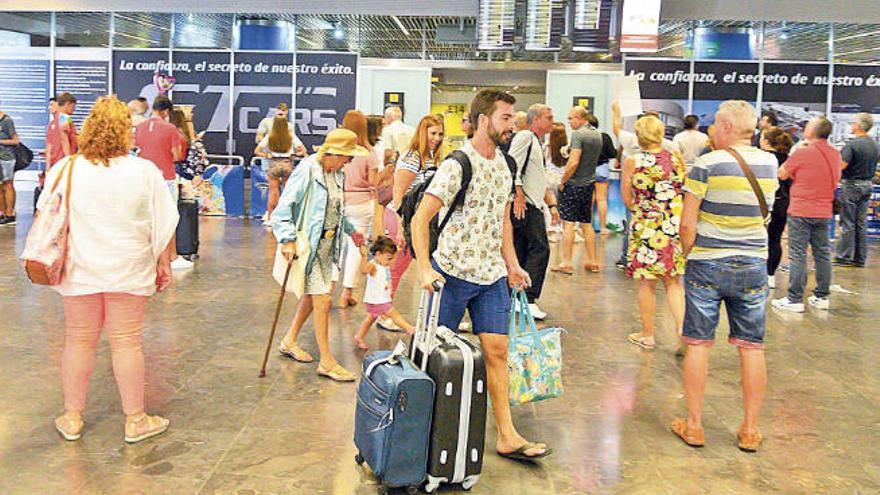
[{"x": 655, "y": 246}]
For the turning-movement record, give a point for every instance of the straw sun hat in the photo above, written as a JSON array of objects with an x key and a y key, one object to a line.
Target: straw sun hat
[{"x": 342, "y": 142}]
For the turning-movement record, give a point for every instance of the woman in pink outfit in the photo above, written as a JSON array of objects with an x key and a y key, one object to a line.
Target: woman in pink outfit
[{"x": 122, "y": 217}]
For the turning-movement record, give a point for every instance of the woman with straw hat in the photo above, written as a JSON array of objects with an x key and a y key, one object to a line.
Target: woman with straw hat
[{"x": 319, "y": 178}]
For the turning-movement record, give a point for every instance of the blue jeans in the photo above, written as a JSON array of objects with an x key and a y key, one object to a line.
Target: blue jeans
[
  {"x": 738, "y": 281},
  {"x": 488, "y": 305},
  {"x": 803, "y": 232},
  {"x": 852, "y": 245}
]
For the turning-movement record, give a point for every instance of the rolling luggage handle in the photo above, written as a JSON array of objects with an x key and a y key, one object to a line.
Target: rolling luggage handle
[
  {"x": 425, "y": 334},
  {"x": 398, "y": 352}
]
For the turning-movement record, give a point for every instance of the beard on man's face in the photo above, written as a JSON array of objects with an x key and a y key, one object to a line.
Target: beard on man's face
[{"x": 499, "y": 138}]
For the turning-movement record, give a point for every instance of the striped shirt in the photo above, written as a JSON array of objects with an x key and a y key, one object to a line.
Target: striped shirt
[{"x": 730, "y": 222}]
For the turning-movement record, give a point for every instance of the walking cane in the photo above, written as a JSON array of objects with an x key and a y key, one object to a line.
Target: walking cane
[{"x": 275, "y": 323}]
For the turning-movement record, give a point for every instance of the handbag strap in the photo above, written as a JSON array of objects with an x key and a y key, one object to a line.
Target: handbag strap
[
  {"x": 68, "y": 167},
  {"x": 525, "y": 320},
  {"x": 753, "y": 181},
  {"x": 827, "y": 162},
  {"x": 305, "y": 206}
]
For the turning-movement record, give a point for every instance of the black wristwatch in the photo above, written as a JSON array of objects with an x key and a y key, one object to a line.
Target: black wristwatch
[{"x": 552, "y": 206}]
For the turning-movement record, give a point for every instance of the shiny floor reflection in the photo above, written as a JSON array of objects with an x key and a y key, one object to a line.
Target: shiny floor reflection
[{"x": 290, "y": 432}]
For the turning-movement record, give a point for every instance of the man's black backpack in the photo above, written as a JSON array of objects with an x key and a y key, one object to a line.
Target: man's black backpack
[
  {"x": 411, "y": 200},
  {"x": 23, "y": 157}
]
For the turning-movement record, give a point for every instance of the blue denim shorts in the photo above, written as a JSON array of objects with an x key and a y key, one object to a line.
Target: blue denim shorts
[
  {"x": 489, "y": 305},
  {"x": 741, "y": 283}
]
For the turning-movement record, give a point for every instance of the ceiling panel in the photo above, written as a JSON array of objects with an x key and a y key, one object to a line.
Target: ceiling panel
[{"x": 446, "y": 37}]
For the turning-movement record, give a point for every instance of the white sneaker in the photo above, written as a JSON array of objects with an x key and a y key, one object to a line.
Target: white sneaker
[
  {"x": 537, "y": 313},
  {"x": 819, "y": 302},
  {"x": 771, "y": 281},
  {"x": 786, "y": 305},
  {"x": 181, "y": 263},
  {"x": 388, "y": 324}
]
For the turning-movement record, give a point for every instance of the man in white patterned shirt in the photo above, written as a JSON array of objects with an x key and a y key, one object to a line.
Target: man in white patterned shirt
[{"x": 475, "y": 256}]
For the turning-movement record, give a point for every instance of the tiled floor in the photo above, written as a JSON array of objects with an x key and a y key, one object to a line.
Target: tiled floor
[{"x": 233, "y": 433}]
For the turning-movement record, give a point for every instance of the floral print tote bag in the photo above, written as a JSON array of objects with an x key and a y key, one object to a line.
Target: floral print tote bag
[{"x": 534, "y": 356}]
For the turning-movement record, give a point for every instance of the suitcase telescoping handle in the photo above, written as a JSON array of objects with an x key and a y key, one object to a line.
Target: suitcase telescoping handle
[{"x": 425, "y": 334}]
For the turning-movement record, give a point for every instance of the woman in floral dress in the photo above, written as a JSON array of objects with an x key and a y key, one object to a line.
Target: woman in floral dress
[{"x": 651, "y": 186}]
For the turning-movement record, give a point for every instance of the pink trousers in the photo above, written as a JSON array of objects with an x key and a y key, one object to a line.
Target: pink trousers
[
  {"x": 85, "y": 316},
  {"x": 404, "y": 258}
]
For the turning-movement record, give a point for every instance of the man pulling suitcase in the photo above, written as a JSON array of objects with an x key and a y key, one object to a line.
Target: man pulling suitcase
[{"x": 475, "y": 258}]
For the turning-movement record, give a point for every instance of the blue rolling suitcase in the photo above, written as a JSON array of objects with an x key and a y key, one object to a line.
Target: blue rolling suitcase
[{"x": 395, "y": 401}]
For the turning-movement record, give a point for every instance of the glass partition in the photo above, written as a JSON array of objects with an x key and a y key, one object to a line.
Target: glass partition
[{"x": 23, "y": 29}]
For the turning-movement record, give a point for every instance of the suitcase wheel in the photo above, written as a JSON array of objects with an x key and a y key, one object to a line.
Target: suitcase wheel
[
  {"x": 359, "y": 459},
  {"x": 412, "y": 490},
  {"x": 469, "y": 482}
]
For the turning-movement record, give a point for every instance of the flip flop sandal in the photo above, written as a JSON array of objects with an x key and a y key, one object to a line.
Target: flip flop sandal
[
  {"x": 562, "y": 270},
  {"x": 157, "y": 426},
  {"x": 337, "y": 373},
  {"x": 520, "y": 453},
  {"x": 70, "y": 429},
  {"x": 640, "y": 340},
  {"x": 594, "y": 268},
  {"x": 692, "y": 438},
  {"x": 296, "y": 354}
]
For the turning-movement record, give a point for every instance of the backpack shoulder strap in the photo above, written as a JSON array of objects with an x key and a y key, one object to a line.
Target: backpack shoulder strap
[
  {"x": 532, "y": 138},
  {"x": 753, "y": 181},
  {"x": 466, "y": 174}
]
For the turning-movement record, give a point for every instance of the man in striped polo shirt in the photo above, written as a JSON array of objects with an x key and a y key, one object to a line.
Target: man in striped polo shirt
[{"x": 723, "y": 235}]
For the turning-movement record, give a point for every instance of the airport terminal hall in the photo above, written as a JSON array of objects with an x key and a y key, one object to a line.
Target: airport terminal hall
[{"x": 501, "y": 247}]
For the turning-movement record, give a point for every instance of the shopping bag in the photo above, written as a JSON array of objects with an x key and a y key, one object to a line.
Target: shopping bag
[
  {"x": 45, "y": 250},
  {"x": 534, "y": 357},
  {"x": 296, "y": 283}
]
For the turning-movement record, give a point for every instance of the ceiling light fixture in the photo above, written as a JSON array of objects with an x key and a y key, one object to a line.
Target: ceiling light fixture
[
  {"x": 400, "y": 25},
  {"x": 338, "y": 33}
]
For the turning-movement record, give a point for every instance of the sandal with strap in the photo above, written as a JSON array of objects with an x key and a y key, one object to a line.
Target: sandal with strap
[
  {"x": 749, "y": 442},
  {"x": 296, "y": 353},
  {"x": 69, "y": 428},
  {"x": 145, "y": 427},
  {"x": 694, "y": 438},
  {"x": 337, "y": 373},
  {"x": 565, "y": 270},
  {"x": 592, "y": 267},
  {"x": 640, "y": 340}
]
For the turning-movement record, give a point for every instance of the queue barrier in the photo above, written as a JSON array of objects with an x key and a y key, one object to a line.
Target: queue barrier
[
  {"x": 221, "y": 190},
  {"x": 616, "y": 219},
  {"x": 259, "y": 187}
]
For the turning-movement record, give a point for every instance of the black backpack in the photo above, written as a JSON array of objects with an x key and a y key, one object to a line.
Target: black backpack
[
  {"x": 411, "y": 200},
  {"x": 23, "y": 157}
]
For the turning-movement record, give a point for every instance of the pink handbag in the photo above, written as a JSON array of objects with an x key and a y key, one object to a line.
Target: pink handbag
[{"x": 45, "y": 250}]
